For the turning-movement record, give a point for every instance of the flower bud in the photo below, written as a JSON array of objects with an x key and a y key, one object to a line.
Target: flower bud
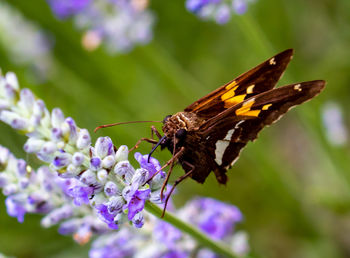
[
  {"x": 88, "y": 177},
  {"x": 56, "y": 134},
  {"x": 11, "y": 79},
  {"x": 123, "y": 167},
  {"x": 115, "y": 204},
  {"x": 78, "y": 159},
  {"x": 122, "y": 153},
  {"x": 72, "y": 130},
  {"x": 14, "y": 120},
  {"x": 95, "y": 163},
  {"x": 140, "y": 177},
  {"x": 84, "y": 139},
  {"x": 111, "y": 189},
  {"x": 39, "y": 108},
  {"x": 26, "y": 100},
  {"x": 102, "y": 175},
  {"x": 103, "y": 147},
  {"x": 33, "y": 145},
  {"x": 57, "y": 118},
  {"x": 108, "y": 161},
  {"x": 62, "y": 160},
  {"x": 48, "y": 148}
]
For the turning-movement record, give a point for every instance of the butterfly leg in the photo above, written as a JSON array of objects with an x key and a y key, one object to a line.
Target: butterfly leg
[
  {"x": 169, "y": 172},
  {"x": 141, "y": 140},
  {"x": 172, "y": 160},
  {"x": 178, "y": 181},
  {"x": 155, "y": 131},
  {"x": 152, "y": 140}
]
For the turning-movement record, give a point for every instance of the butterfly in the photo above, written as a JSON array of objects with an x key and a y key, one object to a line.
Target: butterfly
[{"x": 209, "y": 134}]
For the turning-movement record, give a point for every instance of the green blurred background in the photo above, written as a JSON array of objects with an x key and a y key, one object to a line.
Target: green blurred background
[{"x": 292, "y": 185}]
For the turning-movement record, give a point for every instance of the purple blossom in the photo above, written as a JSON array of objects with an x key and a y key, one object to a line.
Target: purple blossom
[
  {"x": 81, "y": 194},
  {"x": 153, "y": 166},
  {"x": 215, "y": 218},
  {"x": 106, "y": 216},
  {"x": 15, "y": 206},
  {"x": 66, "y": 8},
  {"x": 135, "y": 200},
  {"x": 95, "y": 163},
  {"x": 138, "y": 220}
]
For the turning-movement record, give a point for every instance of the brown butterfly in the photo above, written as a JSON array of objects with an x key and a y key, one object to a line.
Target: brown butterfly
[{"x": 210, "y": 133}]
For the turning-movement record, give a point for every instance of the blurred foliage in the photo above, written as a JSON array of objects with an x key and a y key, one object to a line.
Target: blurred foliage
[{"x": 291, "y": 184}]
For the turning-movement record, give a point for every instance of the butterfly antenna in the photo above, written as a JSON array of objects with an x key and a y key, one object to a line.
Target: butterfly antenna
[
  {"x": 155, "y": 147},
  {"x": 123, "y": 123}
]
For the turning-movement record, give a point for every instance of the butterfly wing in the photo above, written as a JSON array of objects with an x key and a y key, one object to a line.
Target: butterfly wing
[
  {"x": 259, "y": 79},
  {"x": 227, "y": 133}
]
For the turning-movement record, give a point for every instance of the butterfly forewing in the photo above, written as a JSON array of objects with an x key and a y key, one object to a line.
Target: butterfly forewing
[
  {"x": 230, "y": 131},
  {"x": 259, "y": 79}
]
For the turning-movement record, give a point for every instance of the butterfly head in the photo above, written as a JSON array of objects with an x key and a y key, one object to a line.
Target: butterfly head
[{"x": 175, "y": 129}]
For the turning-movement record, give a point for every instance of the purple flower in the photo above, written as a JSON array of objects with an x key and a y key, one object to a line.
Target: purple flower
[
  {"x": 66, "y": 8},
  {"x": 153, "y": 166},
  {"x": 81, "y": 194},
  {"x": 138, "y": 220},
  {"x": 95, "y": 163},
  {"x": 215, "y": 218},
  {"x": 106, "y": 216},
  {"x": 16, "y": 207},
  {"x": 135, "y": 200}
]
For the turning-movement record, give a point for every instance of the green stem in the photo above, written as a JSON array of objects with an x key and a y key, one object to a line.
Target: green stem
[{"x": 200, "y": 237}]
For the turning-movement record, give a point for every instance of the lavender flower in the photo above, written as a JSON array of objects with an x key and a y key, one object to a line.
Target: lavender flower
[
  {"x": 107, "y": 181},
  {"x": 218, "y": 10},
  {"x": 120, "y": 24},
  {"x": 25, "y": 43}
]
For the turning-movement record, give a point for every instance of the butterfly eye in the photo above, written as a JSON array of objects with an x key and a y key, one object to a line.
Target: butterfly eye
[
  {"x": 166, "y": 118},
  {"x": 181, "y": 133}
]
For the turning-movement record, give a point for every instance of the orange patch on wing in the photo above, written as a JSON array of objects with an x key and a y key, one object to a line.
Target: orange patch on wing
[
  {"x": 266, "y": 107},
  {"x": 245, "y": 109},
  {"x": 234, "y": 100},
  {"x": 231, "y": 85},
  {"x": 228, "y": 94},
  {"x": 251, "y": 113}
]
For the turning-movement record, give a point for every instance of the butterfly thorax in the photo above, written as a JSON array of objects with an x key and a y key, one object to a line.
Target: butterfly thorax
[{"x": 181, "y": 120}]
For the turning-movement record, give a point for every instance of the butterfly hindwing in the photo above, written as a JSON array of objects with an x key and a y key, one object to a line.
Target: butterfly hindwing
[
  {"x": 257, "y": 80},
  {"x": 227, "y": 133}
]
